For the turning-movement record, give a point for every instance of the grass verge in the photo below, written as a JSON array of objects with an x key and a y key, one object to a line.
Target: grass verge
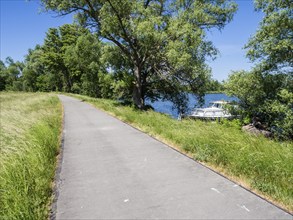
[
  {"x": 30, "y": 131},
  {"x": 262, "y": 165}
]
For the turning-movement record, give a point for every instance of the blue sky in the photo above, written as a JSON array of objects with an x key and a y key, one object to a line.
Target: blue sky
[{"x": 23, "y": 26}]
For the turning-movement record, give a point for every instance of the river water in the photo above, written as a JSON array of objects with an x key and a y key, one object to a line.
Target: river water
[{"x": 167, "y": 106}]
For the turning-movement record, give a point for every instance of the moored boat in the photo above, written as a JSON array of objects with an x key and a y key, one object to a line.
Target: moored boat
[{"x": 216, "y": 110}]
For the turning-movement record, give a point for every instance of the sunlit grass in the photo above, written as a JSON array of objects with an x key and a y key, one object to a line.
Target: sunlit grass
[
  {"x": 30, "y": 131},
  {"x": 258, "y": 163}
]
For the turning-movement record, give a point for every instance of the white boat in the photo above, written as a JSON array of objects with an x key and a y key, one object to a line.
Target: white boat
[{"x": 216, "y": 110}]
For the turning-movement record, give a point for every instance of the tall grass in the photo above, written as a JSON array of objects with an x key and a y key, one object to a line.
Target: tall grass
[
  {"x": 263, "y": 165},
  {"x": 30, "y": 130}
]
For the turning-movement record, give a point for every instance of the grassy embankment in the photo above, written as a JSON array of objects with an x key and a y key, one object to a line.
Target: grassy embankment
[
  {"x": 30, "y": 140},
  {"x": 263, "y": 165}
]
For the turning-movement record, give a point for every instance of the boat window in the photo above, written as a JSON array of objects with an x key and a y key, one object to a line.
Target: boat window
[{"x": 217, "y": 105}]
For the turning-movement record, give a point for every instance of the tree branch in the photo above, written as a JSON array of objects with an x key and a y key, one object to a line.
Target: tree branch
[
  {"x": 121, "y": 46},
  {"x": 146, "y": 3},
  {"x": 93, "y": 14},
  {"x": 126, "y": 37}
]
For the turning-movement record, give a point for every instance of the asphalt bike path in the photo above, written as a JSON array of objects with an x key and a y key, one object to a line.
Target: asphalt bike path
[{"x": 110, "y": 170}]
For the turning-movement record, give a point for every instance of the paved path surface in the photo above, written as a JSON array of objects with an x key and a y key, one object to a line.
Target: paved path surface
[{"x": 113, "y": 171}]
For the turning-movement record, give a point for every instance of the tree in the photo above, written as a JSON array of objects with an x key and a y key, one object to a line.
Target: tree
[
  {"x": 56, "y": 43},
  {"x": 266, "y": 98},
  {"x": 279, "y": 114},
  {"x": 266, "y": 92},
  {"x": 3, "y": 76},
  {"x": 215, "y": 86},
  {"x": 272, "y": 45},
  {"x": 249, "y": 89},
  {"x": 69, "y": 60},
  {"x": 163, "y": 41},
  {"x": 52, "y": 60},
  {"x": 11, "y": 75},
  {"x": 34, "y": 67},
  {"x": 83, "y": 61}
]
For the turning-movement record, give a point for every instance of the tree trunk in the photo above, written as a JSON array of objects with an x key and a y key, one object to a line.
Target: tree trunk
[{"x": 137, "y": 97}]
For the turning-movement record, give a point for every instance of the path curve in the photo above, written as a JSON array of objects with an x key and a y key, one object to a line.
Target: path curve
[{"x": 110, "y": 170}]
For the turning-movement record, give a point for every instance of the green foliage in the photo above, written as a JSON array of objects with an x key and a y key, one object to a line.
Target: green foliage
[
  {"x": 82, "y": 60},
  {"x": 30, "y": 141},
  {"x": 279, "y": 114},
  {"x": 161, "y": 44},
  {"x": 54, "y": 49},
  {"x": 10, "y": 75},
  {"x": 272, "y": 45},
  {"x": 235, "y": 123},
  {"x": 265, "y": 91},
  {"x": 215, "y": 86},
  {"x": 267, "y": 97},
  {"x": 248, "y": 87},
  {"x": 33, "y": 70},
  {"x": 69, "y": 60},
  {"x": 3, "y": 76},
  {"x": 265, "y": 165}
]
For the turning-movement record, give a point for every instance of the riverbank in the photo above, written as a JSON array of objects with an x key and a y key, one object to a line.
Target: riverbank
[
  {"x": 30, "y": 141},
  {"x": 259, "y": 164}
]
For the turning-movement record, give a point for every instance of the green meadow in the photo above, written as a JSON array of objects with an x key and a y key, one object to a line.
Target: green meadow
[
  {"x": 31, "y": 125},
  {"x": 30, "y": 142},
  {"x": 265, "y": 166}
]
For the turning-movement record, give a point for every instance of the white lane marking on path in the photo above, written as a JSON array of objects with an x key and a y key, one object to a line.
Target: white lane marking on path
[
  {"x": 214, "y": 189},
  {"x": 244, "y": 207},
  {"x": 126, "y": 200}
]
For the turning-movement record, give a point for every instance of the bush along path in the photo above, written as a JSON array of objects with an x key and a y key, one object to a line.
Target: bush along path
[{"x": 111, "y": 170}]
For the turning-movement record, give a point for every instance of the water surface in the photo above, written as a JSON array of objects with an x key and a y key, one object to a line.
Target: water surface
[{"x": 167, "y": 106}]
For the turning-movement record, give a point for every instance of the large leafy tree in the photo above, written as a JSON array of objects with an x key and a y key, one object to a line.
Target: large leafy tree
[
  {"x": 57, "y": 41},
  {"x": 272, "y": 45},
  {"x": 3, "y": 75},
  {"x": 264, "y": 98},
  {"x": 83, "y": 62},
  {"x": 11, "y": 75},
  {"x": 266, "y": 92},
  {"x": 67, "y": 61},
  {"x": 34, "y": 69},
  {"x": 163, "y": 42}
]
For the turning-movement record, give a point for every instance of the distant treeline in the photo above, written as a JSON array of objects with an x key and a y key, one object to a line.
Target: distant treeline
[
  {"x": 74, "y": 60},
  {"x": 68, "y": 61}
]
